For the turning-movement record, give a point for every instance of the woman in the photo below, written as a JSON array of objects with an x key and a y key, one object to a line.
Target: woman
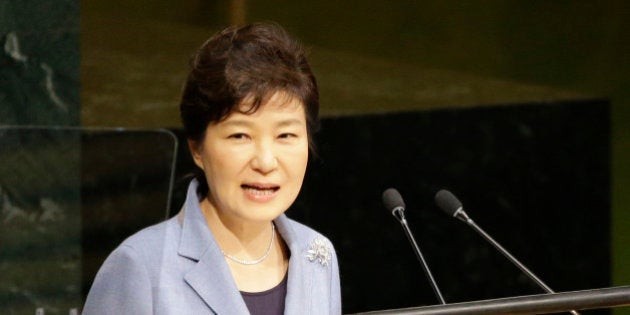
[{"x": 249, "y": 108}]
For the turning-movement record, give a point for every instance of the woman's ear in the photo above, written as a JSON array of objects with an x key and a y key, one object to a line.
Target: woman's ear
[{"x": 195, "y": 151}]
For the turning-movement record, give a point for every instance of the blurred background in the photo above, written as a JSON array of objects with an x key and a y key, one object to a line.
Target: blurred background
[{"x": 118, "y": 63}]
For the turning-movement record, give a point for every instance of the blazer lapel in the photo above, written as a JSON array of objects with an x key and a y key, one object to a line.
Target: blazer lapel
[
  {"x": 210, "y": 277},
  {"x": 299, "y": 285},
  {"x": 214, "y": 284}
]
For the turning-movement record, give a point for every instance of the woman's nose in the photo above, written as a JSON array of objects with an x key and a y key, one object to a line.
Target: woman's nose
[{"x": 264, "y": 159}]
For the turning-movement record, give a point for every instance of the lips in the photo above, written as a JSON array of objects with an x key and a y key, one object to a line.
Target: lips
[{"x": 260, "y": 191}]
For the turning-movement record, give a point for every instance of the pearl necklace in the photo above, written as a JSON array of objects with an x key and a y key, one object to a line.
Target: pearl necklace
[{"x": 255, "y": 261}]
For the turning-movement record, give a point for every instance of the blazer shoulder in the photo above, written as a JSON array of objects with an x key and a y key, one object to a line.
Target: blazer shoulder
[
  {"x": 305, "y": 234},
  {"x": 145, "y": 242},
  {"x": 124, "y": 281}
]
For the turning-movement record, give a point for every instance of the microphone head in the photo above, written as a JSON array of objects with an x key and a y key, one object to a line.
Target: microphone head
[
  {"x": 446, "y": 201},
  {"x": 392, "y": 199}
]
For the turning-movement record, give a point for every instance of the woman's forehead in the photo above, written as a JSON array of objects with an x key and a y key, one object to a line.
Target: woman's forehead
[
  {"x": 275, "y": 99},
  {"x": 276, "y": 113}
]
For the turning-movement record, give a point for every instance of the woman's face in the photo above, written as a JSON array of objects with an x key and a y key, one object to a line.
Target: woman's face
[{"x": 255, "y": 163}]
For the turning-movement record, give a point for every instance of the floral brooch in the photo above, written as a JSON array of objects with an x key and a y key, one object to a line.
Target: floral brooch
[{"x": 320, "y": 251}]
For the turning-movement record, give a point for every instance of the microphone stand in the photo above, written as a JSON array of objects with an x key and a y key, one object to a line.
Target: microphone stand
[
  {"x": 462, "y": 216},
  {"x": 399, "y": 214}
]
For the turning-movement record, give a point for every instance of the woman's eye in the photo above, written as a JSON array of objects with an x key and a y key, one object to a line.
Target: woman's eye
[
  {"x": 238, "y": 136},
  {"x": 287, "y": 135}
]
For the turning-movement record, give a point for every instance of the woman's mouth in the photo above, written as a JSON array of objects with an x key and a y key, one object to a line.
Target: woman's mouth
[{"x": 260, "y": 192}]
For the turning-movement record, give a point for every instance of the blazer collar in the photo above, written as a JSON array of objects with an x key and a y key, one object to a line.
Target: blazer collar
[{"x": 210, "y": 277}]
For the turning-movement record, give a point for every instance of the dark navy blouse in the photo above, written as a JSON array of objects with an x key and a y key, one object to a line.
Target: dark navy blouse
[{"x": 270, "y": 302}]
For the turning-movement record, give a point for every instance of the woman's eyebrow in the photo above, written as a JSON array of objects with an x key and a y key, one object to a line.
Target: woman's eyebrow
[
  {"x": 236, "y": 123},
  {"x": 289, "y": 122}
]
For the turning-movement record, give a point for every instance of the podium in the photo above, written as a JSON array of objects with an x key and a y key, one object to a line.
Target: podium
[{"x": 532, "y": 304}]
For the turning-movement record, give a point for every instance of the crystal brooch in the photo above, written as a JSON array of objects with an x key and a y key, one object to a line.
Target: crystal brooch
[{"x": 319, "y": 251}]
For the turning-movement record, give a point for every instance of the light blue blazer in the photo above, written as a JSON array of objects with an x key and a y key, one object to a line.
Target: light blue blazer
[{"x": 176, "y": 267}]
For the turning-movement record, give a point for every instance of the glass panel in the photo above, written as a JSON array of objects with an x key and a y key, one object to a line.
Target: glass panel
[{"x": 68, "y": 196}]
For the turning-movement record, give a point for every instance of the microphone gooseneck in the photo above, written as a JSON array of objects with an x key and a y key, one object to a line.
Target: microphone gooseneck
[
  {"x": 394, "y": 203},
  {"x": 446, "y": 201}
]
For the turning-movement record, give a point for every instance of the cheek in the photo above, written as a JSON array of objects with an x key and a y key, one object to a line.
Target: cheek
[
  {"x": 220, "y": 166},
  {"x": 298, "y": 162}
]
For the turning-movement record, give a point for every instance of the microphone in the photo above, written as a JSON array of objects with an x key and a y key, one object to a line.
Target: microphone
[
  {"x": 446, "y": 201},
  {"x": 394, "y": 203}
]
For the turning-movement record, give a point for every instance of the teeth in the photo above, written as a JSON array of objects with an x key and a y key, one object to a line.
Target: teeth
[{"x": 257, "y": 191}]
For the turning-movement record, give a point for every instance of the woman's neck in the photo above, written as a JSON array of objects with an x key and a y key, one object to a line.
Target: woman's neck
[{"x": 249, "y": 239}]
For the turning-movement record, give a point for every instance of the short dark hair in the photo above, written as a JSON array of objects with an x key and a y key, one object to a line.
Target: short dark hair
[{"x": 250, "y": 62}]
